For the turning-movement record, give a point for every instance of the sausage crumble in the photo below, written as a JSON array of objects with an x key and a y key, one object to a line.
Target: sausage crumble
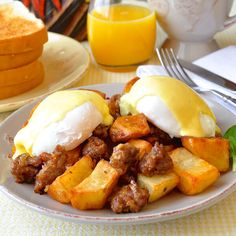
[
  {"x": 156, "y": 162},
  {"x": 130, "y": 198}
]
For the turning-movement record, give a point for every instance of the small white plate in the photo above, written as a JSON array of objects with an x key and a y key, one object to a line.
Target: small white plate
[
  {"x": 65, "y": 62},
  {"x": 174, "y": 205}
]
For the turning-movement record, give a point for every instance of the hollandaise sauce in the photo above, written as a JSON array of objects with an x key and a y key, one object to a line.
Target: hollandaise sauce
[
  {"x": 121, "y": 34},
  {"x": 58, "y": 116},
  {"x": 190, "y": 111}
]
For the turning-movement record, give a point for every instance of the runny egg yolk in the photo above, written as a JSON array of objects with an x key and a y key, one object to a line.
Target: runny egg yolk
[
  {"x": 65, "y": 117},
  {"x": 171, "y": 105}
]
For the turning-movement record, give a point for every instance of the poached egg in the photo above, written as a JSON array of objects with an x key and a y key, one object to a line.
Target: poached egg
[
  {"x": 170, "y": 105},
  {"x": 65, "y": 118}
]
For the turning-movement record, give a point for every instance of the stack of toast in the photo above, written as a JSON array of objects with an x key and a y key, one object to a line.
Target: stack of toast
[{"x": 22, "y": 37}]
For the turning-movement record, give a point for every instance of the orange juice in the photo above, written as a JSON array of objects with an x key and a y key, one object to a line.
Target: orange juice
[{"x": 121, "y": 34}]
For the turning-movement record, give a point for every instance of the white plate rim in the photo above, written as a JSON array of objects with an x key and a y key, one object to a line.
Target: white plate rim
[
  {"x": 128, "y": 218},
  {"x": 116, "y": 220}
]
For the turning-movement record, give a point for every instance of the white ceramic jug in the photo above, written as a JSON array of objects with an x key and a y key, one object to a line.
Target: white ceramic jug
[{"x": 192, "y": 24}]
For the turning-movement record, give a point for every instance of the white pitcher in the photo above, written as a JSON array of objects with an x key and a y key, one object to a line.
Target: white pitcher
[{"x": 192, "y": 24}]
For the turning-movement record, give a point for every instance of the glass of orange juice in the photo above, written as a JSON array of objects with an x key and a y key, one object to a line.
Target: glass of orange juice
[{"x": 121, "y": 33}]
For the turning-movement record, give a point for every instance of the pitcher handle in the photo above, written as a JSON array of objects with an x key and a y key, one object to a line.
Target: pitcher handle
[{"x": 229, "y": 21}]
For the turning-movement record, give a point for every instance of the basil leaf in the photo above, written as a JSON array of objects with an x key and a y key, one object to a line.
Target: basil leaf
[{"x": 230, "y": 134}]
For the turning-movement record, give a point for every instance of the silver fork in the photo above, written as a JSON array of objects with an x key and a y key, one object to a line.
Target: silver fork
[{"x": 174, "y": 69}]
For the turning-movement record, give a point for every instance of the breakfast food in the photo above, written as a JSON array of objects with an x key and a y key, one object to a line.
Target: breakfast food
[
  {"x": 21, "y": 31},
  {"x": 215, "y": 151},
  {"x": 65, "y": 118},
  {"x": 158, "y": 185},
  {"x": 168, "y": 104},
  {"x": 82, "y": 195},
  {"x": 20, "y": 79},
  {"x": 74, "y": 150},
  {"x": 195, "y": 173},
  {"x": 74, "y": 175},
  {"x": 11, "y": 61},
  {"x": 22, "y": 37},
  {"x": 13, "y": 90}
]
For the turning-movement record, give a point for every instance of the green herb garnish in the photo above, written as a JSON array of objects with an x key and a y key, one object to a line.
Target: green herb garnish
[{"x": 231, "y": 136}]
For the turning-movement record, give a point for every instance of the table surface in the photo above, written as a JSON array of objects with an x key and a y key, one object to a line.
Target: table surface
[{"x": 220, "y": 219}]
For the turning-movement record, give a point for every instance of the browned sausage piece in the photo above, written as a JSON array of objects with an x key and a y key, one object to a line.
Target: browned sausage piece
[
  {"x": 123, "y": 156},
  {"x": 101, "y": 131},
  {"x": 130, "y": 198},
  {"x": 156, "y": 162},
  {"x": 73, "y": 156},
  {"x": 54, "y": 167},
  {"x": 158, "y": 135},
  {"x": 127, "y": 178},
  {"x": 96, "y": 149},
  {"x": 114, "y": 107},
  {"x": 24, "y": 168}
]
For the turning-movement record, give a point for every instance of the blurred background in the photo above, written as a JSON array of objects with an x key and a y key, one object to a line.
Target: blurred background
[{"x": 67, "y": 17}]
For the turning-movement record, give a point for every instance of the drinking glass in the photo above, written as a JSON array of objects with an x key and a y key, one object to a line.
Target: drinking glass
[{"x": 121, "y": 33}]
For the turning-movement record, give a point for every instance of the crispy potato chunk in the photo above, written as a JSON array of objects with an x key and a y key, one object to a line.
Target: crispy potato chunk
[
  {"x": 59, "y": 189},
  {"x": 158, "y": 185},
  {"x": 92, "y": 193},
  {"x": 195, "y": 173},
  {"x": 213, "y": 150},
  {"x": 129, "y": 84},
  {"x": 129, "y": 127},
  {"x": 143, "y": 146}
]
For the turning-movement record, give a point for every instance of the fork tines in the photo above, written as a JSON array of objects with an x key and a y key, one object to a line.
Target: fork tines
[{"x": 172, "y": 66}]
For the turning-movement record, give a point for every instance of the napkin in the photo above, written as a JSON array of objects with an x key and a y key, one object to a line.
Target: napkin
[{"x": 221, "y": 62}]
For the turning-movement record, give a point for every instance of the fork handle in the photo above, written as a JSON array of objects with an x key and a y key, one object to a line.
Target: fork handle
[{"x": 225, "y": 98}]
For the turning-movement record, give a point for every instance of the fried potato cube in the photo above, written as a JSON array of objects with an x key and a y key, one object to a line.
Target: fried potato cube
[
  {"x": 142, "y": 145},
  {"x": 129, "y": 84},
  {"x": 129, "y": 127},
  {"x": 158, "y": 185},
  {"x": 213, "y": 150},
  {"x": 92, "y": 193},
  {"x": 195, "y": 173},
  {"x": 60, "y": 188}
]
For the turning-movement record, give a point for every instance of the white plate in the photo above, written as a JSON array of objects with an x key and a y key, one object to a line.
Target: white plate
[
  {"x": 65, "y": 62},
  {"x": 174, "y": 205}
]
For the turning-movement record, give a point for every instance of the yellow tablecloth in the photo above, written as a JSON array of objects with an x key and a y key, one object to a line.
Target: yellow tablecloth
[{"x": 217, "y": 220}]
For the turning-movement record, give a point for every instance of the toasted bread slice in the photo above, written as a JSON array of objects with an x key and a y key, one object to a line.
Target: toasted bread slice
[
  {"x": 19, "y": 75},
  {"x": 10, "y": 61},
  {"x": 33, "y": 79},
  {"x": 20, "y": 30}
]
